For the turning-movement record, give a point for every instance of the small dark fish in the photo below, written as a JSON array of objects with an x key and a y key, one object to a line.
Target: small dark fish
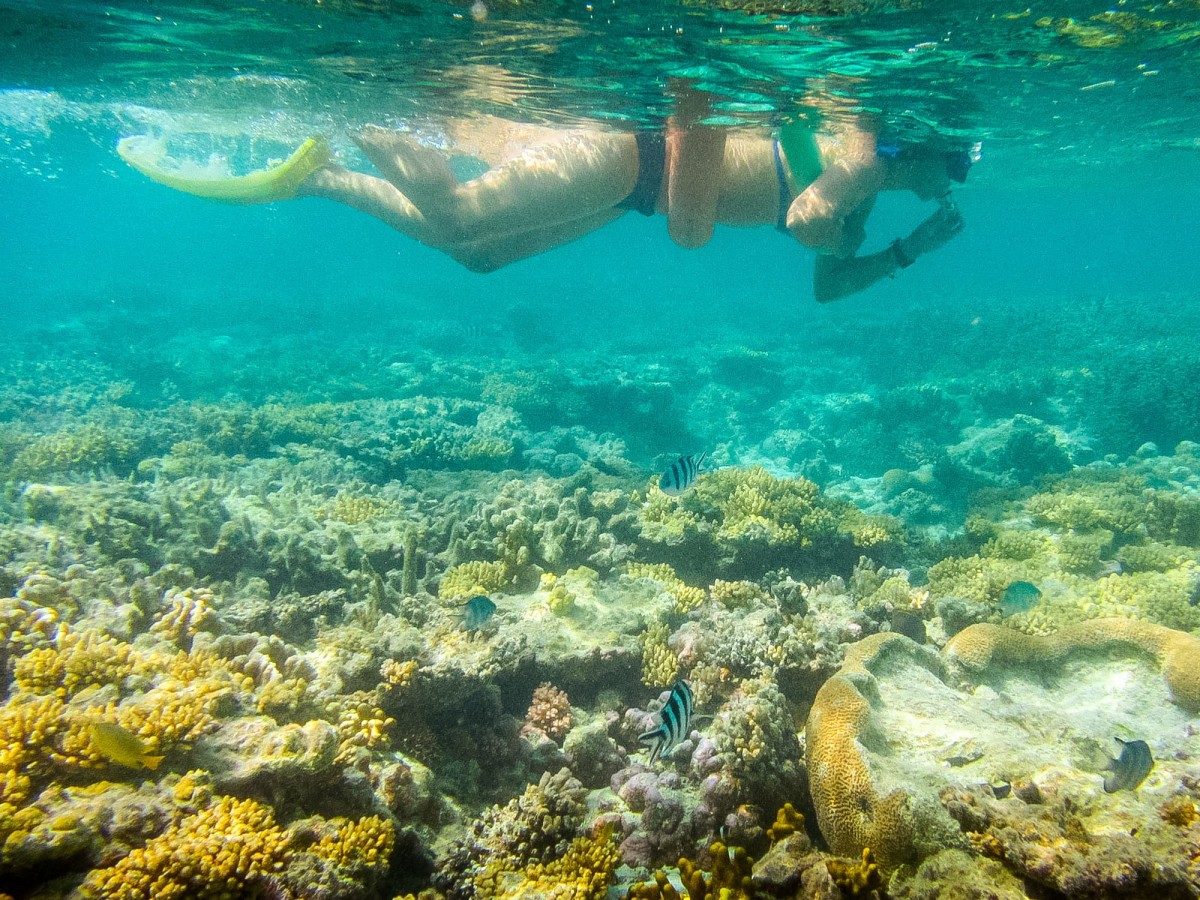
[
  {"x": 909, "y": 623},
  {"x": 674, "y": 722},
  {"x": 1002, "y": 790},
  {"x": 1129, "y": 769},
  {"x": 681, "y": 474},
  {"x": 478, "y": 612},
  {"x": 1019, "y": 597}
]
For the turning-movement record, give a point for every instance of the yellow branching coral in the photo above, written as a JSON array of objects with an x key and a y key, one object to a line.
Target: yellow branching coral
[
  {"x": 188, "y": 612},
  {"x": 399, "y": 674},
  {"x": 730, "y": 878},
  {"x": 583, "y": 872},
  {"x": 361, "y": 725},
  {"x": 856, "y": 879},
  {"x": 220, "y": 853},
  {"x": 685, "y": 598},
  {"x": 660, "y": 664},
  {"x": 365, "y": 842},
  {"x": 78, "y": 449},
  {"x": 175, "y": 712},
  {"x": 28, "y": 729},
  {"x": 736, "y": 593},
  {"x": 77, "y": 660},
  {"x": 25, "y": 626},
  {"x": 787, "y": 822},
  {"x": 471, "y": 578},
  {"x": 354, "y": 509}
]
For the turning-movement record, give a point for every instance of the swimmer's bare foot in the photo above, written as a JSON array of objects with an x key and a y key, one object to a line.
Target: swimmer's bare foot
[{"x": 421, "y": 173}]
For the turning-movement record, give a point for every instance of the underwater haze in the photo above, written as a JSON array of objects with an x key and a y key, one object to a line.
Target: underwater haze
[{"x": 578, "y": 450}]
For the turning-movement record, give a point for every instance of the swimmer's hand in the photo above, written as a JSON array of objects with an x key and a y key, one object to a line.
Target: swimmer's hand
[{"x": 935, "y": 231}]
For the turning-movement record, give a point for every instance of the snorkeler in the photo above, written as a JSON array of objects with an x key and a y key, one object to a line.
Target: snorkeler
[{"x": 547, "y": 187}]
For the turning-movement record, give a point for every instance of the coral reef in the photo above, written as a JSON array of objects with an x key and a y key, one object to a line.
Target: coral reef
[{"x": 895, "y": 750}]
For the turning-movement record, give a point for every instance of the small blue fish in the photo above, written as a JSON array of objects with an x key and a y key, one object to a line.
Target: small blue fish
[
  {"x": 1129, "y": 769},
  {"x": 1019, "y": 597},
  {"x": 681, "y": 474},
  {"x": 478, "y": 612},
  {"x": 675, "y": 720}
]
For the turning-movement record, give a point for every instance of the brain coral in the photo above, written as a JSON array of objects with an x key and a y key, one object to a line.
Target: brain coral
[
  {"x": 891, "y": 731},
  {"x": 1177, "y": 653}
]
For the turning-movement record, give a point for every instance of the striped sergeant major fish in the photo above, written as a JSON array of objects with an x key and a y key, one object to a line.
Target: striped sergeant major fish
[
  {"x": 681, "y": 474},
  {"x": 675, "y": 719}
]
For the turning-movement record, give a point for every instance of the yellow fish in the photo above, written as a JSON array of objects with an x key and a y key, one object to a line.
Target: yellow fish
[{"x": 120, "y": 745}]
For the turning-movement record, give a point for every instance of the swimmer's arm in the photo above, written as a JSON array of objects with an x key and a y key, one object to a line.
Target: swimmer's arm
[
  {"x": 835, "y": 278},
  {"x": 818, "y": 216}
]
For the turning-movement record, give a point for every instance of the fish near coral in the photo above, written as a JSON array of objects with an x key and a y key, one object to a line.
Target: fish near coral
[
  {"x": 675, "y": 720},
  {"x": 478, "y": 612},
  {"x": 1129, "y": 769},
  {"x": 1019, "y": 597},
  {"x": 681, "y": 474},
  {"x": 120, "y": 745}
]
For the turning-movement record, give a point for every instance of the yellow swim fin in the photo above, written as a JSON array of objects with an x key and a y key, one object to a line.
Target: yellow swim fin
[{"x": 264, "y": 186}]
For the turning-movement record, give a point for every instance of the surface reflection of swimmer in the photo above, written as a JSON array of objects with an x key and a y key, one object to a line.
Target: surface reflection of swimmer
[{"x": 547, "y": 187}]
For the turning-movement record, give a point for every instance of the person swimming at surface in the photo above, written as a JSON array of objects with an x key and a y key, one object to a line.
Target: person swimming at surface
[{"x": 547, "y": 187}]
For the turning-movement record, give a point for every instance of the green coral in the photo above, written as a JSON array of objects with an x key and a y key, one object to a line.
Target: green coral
[
  {"x": 660, "y": 664},
  {"x": 82, "y": 449},
  {"x": 744, "y": 513},
  {"x": 471, "y": 578}
]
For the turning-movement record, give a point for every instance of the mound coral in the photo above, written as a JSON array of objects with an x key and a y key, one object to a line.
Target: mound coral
[
  {"x": 1178, "y": 654},
  {"x": 875, "y": 765}
]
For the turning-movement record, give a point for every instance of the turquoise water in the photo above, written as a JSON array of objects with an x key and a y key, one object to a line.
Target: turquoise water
[{"x": 257, "y": 459}]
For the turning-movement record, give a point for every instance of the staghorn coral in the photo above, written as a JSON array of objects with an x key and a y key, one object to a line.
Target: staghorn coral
[{"x": 226, "y": 850}]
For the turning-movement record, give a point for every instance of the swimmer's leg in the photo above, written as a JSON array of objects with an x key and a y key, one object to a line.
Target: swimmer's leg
[
  {"x": 494, "y": 253},
  {"x": 371, "y": 195},
  {"x": 380, "y": 199},
  {"x": 577, "y": 174}
]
